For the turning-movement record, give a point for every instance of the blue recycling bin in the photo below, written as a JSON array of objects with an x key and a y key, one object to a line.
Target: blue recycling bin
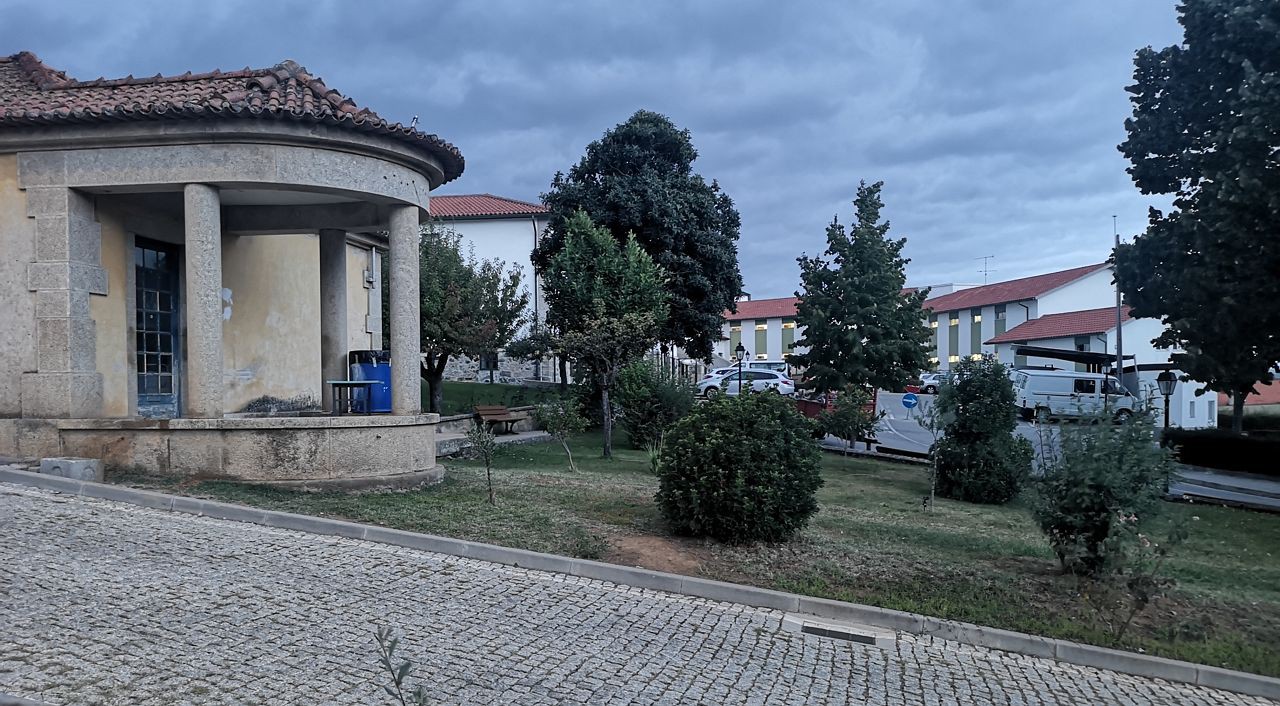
[{"x": 376, "y": 366}]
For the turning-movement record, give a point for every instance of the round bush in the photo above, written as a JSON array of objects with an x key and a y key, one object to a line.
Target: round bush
[
  {"x": 991, "y": 472},
  {"x": 740, "y": 469}
]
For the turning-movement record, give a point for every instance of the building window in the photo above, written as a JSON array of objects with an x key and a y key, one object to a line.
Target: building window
[
  {"x": 1192, "y": 409},
  {"x": 762, "y": 356},
  {"x": 976, "y": 314},
  {"x": 762, "y": 327},
  {"x": 976, "y": 356},
  {"x": 788, "y": 324},
  {"x": 1082, "y": 343},
  {"x": 933, "y": 360},
  {"x": 999, "y": 312},
  {"x": 933, "y": 323},
  {"x": 489, "y": 361},
  {"x": 736, "y": 327},
  {"x": 955, "y": 318},
  {"x": 953, "y": 359}
]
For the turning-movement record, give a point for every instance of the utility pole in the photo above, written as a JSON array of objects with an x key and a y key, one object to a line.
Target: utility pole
[
  {"x": 985, "y": 270},
  {"x": 1115, "y": 231}
]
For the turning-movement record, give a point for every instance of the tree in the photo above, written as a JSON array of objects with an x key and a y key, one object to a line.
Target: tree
[
  {"x": 609, "y": 301},
  {"x": 851, "y": 420},
  {"x": 638, "y": 181},
  {"x": 979, "y": 458},
  {"x": 860, "y": 327},
  {"x": 561, "y": 420},
  {"x": 469, "y": 307},
  {"x": 1206, "y": 129},
  {"x": 484, "y": 447}
]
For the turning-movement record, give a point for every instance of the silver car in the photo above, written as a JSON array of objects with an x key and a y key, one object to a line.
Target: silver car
[
  {"x": 930, "y": 383},
  {"x": 758, "y": 380}
]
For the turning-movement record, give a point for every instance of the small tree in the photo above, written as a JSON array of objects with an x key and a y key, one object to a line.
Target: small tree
[
  {"x": 561, "y": 420},
  {"x": 651, "y": 400},
  {"x": 469, "y": 307},
  {"x": 979, "y": 457},
  {"x": 851, "y": 419},
  {"x": 617, "y": 299},
  {"x": 860, "y": 326},
  {"x": 740, "y": 469},
  {"x": 484, "y": 446}
]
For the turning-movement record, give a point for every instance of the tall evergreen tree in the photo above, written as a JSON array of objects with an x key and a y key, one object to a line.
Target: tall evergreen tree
[
  {"x": 1206, "y": 129},
  {"x": 638, "y": 180},
  {"x": 860, "y": 326},
  {"x": 609, "y": 301}
]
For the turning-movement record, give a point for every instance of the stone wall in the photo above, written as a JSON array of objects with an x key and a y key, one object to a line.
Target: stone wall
[{"x": 510, "y": 370}]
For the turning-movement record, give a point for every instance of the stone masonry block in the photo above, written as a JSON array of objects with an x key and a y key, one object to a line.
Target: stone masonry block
[
  {"x": 42, "y": 169},
  {"x": 84, "y": 469},
  {"x": 62, "y": 303},
  {"x": 66, "y": 345},
  {"x": 66, "y": 275},
  {"x": 61, "y": 395},
  {"x": 68, "y": 238}
]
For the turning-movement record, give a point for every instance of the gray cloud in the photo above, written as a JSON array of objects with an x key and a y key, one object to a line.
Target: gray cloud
[{"x": 993, "y": 124}]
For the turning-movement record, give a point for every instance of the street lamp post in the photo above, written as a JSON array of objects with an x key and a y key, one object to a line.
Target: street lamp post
[
  {"x": 1167, "y": 382},
  {"x": 741, "y": 350}
]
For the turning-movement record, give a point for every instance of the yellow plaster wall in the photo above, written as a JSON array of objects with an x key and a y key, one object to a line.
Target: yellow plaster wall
[
  {"x": 17, "y": 304},
  {"x": 113, "y": 320},
  {"x": 357, "y": 300},
  {"x": 271, "y": 317}
]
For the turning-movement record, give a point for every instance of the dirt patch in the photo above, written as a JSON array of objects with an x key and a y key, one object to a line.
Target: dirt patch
[{"x": 657, "y": 553}]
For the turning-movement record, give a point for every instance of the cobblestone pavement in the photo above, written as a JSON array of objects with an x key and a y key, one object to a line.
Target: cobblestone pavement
[{"x": 106, "y": 603}]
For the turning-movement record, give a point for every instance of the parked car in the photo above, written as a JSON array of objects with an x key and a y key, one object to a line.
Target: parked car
[
  {"x": 1046, "y": 394},
  {"x": 930, "y": 383},
  {"x": 774, "y": 365},
  {"x": 758, "y": 380},
  {"x": 717, "y": 372}
]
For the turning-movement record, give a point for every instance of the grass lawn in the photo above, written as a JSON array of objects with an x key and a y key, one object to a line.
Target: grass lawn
[
  {"x": 872, "y": 542},
  {"x": 462, "y": 397}
]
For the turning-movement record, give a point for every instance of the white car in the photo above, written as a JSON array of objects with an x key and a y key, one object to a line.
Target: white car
[
  {"x": 930, "y": 383},
  {"x": 1045, "y": 394},
  {"x": 718, "y": 372},
  {"x": 758, "y": 380}
]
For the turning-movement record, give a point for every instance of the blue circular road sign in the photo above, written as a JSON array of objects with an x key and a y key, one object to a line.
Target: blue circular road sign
[{"x": 909, "y": 400}]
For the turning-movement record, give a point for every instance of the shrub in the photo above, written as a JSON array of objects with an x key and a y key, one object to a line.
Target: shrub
[
  {"x": 851, "y": 420},
  {"x": 650, "y": 400},
  {"x": 740, "y": 469},
  {"x": 1250, "y": 452},
  {"x": 979, "y": 459},
  {"x": 1089, "y": 491},
  {"x": 562, "y": 419},
  {"x": 484, "y": 446}
]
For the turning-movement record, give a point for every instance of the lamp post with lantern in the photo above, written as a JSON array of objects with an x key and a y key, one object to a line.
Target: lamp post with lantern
[{"x": 1167, "y": 382}]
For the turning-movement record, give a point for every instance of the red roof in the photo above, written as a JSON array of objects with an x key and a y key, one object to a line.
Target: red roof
[
  {"x": 34, "y": 94},
  {"x": 1011, "y": 291},
  {"x": 481, "y": 205},
  {"x": 1071, "y": 323},
  {"x": 784, "y": 307},
  {"x": 1266, "y": 394}
]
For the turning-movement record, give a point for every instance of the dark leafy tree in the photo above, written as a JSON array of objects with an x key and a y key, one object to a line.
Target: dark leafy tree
[
  {"x": 860, "y": 327},
  {"x": 618, "y": 299},
  {"x": 1206, "y": 130},
  {"x": 638, "y": 180},
  {"x": 469, "y": 307}
]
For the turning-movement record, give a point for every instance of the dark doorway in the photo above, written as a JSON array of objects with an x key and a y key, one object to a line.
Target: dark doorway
[{"x": 158, "y": 314}]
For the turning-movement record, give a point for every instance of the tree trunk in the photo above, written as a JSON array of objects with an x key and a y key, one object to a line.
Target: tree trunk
[
  {"x": 608, "y": 422},
  {"x": 564, "y": 375},
  {"x": 433, "y": 373},
  {"x": 1237, "y": 411}
]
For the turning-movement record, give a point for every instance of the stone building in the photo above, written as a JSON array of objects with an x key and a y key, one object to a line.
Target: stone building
[{"x": 174, "y": 248}]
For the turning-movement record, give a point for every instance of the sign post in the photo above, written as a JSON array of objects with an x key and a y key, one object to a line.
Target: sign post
[{"x": 910, "y": 401}]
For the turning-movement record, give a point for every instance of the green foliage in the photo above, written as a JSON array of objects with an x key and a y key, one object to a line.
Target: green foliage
[
  {"x": 1206, "y": 115},
  {"x": 740, "y": 469},
  {"x": 561, "y": 419},
  {"x": 859, "y": 327},
  {"x": 484, "y": 446},
  {"x": 979, "y": 458},
  {"x": 651, "y": 400},
  {"x": 851, "y": 419},
  {"x": 608, "y": 300},
  {"x": 585, "y": 544},
  {"x": 398, "y": 671},
  {"x": 637, "y": 181},
  {"x": 469, "y": 307},
  {"x": 1101, "y": 475}
]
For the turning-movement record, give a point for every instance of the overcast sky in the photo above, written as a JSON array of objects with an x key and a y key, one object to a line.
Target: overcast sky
[{"x": 993, "y": 124}]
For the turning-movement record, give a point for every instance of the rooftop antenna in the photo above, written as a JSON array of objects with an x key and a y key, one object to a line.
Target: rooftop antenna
[
  {"x": 413, "y": 123},
  {"x": 985, "y": 269}
]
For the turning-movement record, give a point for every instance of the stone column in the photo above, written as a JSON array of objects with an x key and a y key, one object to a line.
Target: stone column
[
  {"x": 333, "y": 309},
  {"x": 406, "y": 332},
  {"x": 203, "y": 394}
]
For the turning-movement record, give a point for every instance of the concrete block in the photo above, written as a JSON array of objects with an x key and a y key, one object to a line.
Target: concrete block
[
  {"x": 62, "y": 485},
  {"x": 863, "y": 614},
  {"x": 235, "y": 513},
  {"x": 414, "y": 540},
  {"x": 1240, "y": 682},
  {"x": 133, "y": 496},
  {"x": 61, "y": 395},
  {"x": 993, "y": 638},
  {"x": 628, "y": 576},
  {"x": 67, "y": 275},
  {"x": 1127, "y": 662},
  {"x": 519, "y": 557},
  {"x": 66, "y": 345},
  {"x": 737, "y": 593},
  {"x": 81, "y": 469},
  {"x": 62, "y": 303},
  {"x": 852, "y": 632},
  {"x": 314, "y": 525},
  {"x": 42, "y": 169}
]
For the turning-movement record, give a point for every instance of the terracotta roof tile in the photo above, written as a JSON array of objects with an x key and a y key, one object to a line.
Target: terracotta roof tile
[
  {"x": 481, "y": 205},
  {"x": 1011, "y": 291},
  {"x": 32, "y": 93},
  {"x": 763, "y": 309},
  {"x": 1071, "y": 323}
]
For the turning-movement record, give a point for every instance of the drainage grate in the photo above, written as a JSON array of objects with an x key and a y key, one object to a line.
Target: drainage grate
[{"x": 839, "y": 634}]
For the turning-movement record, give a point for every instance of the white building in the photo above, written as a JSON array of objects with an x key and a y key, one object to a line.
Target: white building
[
  {"x": 508, "y": 230},
  {"x": 766, "y": 328}
]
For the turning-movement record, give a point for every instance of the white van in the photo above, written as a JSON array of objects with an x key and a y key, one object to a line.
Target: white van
[{"x": 1042, "y": 394}]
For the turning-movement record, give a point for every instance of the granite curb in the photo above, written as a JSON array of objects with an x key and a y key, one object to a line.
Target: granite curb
[{"x": 910, "y": 623}]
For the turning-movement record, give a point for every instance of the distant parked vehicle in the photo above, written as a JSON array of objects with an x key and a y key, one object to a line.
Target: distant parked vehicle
[
  {"x": 756, "y": 380},
  {"x": 774, "y": 365},
  {"x": 930, "y": 383},
  {"x": 718, "y": 372},
  {"x": 1046, "y": 394}
]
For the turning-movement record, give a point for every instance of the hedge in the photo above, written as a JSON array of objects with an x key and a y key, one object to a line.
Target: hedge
[{"x": 1250, "y": 452}]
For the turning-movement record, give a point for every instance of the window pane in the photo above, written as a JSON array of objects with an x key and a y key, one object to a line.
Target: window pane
[
  {"x": 166, "y": 343},
  {"x": 166, "y": 384}
]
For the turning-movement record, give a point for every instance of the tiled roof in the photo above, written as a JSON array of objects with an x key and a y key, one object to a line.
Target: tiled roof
[
  {"x": 763, "y": 309},
  {"x": 1265, "y": 395},
  {"x": 1011, "y": 291},
  {"x": 32, "y": 94},
  {"x": 481, "y": 205},
  {"x": 1071, "y": 323}
]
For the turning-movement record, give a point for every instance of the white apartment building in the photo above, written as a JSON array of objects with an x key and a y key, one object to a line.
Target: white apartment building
[{"x": 766, "y": 328}]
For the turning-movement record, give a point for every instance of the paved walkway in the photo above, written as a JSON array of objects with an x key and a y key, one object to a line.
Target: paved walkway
[{"x": 105, "y": 603}]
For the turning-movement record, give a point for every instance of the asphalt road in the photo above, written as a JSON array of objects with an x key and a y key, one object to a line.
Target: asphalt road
[{"x": 901, "y": 429}]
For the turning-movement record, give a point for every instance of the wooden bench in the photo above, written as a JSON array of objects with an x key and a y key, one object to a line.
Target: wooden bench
[{"x": 494, "y": 415}]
